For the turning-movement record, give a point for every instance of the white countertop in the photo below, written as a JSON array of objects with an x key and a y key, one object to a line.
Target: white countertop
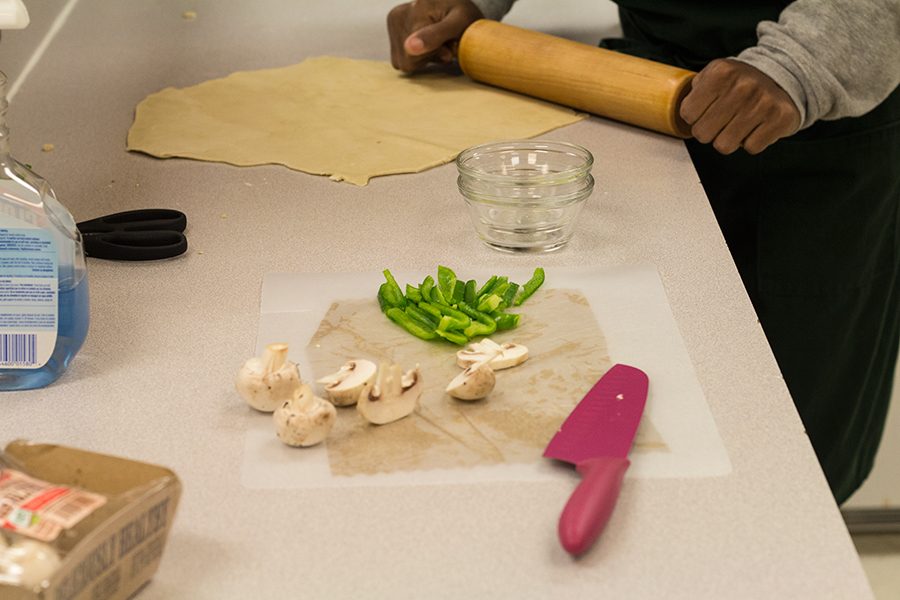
[{"x": 154, "y": 379}]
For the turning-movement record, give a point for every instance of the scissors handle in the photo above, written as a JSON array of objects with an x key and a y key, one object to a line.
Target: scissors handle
[
  {"x": 135, "y": 245},
  {"x": 147, "y": 219}
]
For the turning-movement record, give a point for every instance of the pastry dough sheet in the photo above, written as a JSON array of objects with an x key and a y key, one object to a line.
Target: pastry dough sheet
[{"x": 346, "y": 118}]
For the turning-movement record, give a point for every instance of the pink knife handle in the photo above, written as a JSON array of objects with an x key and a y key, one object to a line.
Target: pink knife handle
[{"x": 592, "y": 502}]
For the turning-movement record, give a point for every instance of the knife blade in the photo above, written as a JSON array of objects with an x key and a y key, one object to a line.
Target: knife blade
[{"x": 596, "y": 437}]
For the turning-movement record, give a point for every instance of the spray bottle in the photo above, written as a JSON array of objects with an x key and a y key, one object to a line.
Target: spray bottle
[{"x": 43, "y": 280}]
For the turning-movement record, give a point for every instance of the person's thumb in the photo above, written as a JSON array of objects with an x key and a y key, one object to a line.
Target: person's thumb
[{"x": 431, "y": 37}]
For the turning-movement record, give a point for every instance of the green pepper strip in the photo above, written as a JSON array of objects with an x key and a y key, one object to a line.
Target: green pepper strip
[
  {"x": 431, "y": 309},
  {"x": 469, "y": 293},
  {"x": 406, "y": 322},
  {"x": 487, "y": 285},
  {"x": 508, "y": 295},
  {"x": 449, "y": 324},
  {"x": 497, "y": 283},
  {"x": 459, "y": 292},
  {"x": 453, "y": 336},
  {"x": 396, "y": 294},
  {"x": 389, "y": 298},
  {"x": 477, "y": 329},
  {"x": 461, "y": 318},
  {"x": 383, "y": 302},
  {"x": 490, "y": 303},
  {"x": 417, "y": 314},
  {"x": 437, "y": 296},
  {"x": 507, "y": 321},
  {"x": 425, "y": 288},
  {"x": 446, "y": 280},
  {"x": 482, "y": 323},
  {"x": 530, "y": 286},
  {"x": 413, "y": 294}
]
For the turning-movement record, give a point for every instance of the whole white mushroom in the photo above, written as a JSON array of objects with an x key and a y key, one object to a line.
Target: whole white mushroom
[
  {"x": 266, "y": 381},
  {"x": 305, "y": 419}
]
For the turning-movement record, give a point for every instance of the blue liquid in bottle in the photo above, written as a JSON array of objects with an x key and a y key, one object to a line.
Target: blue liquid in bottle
[
  {"x": 38, "y": 237},
  {"x": 71, "y": 332}
]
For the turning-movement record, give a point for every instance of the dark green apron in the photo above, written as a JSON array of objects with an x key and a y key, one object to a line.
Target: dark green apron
[{"x": 813, "y": 225}]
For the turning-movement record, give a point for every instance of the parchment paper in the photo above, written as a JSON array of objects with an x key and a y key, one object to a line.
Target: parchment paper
[
  {"x": 567, "y": 354},
  {"x": 677, "y": 438}
]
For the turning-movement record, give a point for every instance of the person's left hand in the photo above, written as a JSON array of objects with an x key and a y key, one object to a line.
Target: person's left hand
[{"x": 734, "y": 105}]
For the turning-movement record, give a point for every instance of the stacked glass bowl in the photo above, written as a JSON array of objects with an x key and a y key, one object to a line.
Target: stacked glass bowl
[{"x": 525, "y": 195}]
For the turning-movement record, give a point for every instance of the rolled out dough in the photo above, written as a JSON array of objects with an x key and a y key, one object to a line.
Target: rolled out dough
[{"x": 346, "y": 118}]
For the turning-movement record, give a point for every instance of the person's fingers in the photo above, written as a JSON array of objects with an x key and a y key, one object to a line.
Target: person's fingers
[
  {"x": 701, "y": 96},
  {"x": 733, "y": 105},
  {"x": 445, "y": 55},
  {"x": 732, "y": 136},
  {"x": 712, "y": 121},
  {"x": 780, "y": 123},
  {"x": 430, "y": 38},
  {"x": 424, "y": 31},
  {"x": 760, "y": 138},
  {"x": 396, "y": 23}
]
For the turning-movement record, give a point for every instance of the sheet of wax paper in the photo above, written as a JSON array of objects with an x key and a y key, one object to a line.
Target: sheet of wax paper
[
  {"x": 567, "y": 354},
  {"x": 346, "y": 118}
]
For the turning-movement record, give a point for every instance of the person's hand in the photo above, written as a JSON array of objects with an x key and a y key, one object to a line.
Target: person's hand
[
  {"x": 734, "y": 105},
  {"x": 425, "y": 31}
]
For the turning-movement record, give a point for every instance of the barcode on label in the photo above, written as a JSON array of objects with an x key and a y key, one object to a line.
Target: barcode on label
[
  {"x": 18, "y": 349},
  {"x": 73, "y": 508}
]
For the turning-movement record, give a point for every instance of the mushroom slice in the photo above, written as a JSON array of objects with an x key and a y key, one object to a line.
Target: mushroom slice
[
  {"x": 501, "y": 356},
  {"x": 305, "y": 419},
  {"x": 344, "y": 387},
  {"x": 474, "y": 383},
  {"x": 267, "y": 381},
  {"x": 394, "y": 395}
]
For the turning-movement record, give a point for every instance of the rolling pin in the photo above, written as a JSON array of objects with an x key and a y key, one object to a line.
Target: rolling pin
[{"x": 610, "y": 84}]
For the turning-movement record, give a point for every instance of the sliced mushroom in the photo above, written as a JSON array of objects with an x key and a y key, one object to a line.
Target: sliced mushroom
[
  {"x": 305, "y": 419},
  {"x": 474, "y": 383},
  {"x": 501, "y": 356},
  {"x": 267, "y": 381},
  {"x": 394, "y": 395},
  {"x": 344, "y": 387}
]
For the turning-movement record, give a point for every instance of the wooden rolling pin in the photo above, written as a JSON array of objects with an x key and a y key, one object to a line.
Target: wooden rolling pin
[{"x": 610, "y": 84}]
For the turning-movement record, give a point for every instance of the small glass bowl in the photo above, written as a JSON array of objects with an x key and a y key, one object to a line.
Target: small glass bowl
[{"x": 525, "y": 195}]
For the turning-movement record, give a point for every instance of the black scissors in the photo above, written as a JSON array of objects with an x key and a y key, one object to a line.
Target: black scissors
[{"x": 147, "y": 234}]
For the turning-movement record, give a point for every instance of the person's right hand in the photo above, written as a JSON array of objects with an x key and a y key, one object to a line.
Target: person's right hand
[{"x": 425, "y": 31}]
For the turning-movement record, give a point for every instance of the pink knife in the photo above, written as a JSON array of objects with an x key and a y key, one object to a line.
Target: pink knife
[{"x": 596, "y": 438}]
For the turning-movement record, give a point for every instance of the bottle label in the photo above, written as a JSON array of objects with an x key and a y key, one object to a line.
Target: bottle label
[{"x": 29, "y": 297}]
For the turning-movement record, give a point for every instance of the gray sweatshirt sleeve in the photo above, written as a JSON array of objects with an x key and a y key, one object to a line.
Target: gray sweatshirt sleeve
[
  {"x": 836, "y": 58},
  {"x": 494, "y": 9}
]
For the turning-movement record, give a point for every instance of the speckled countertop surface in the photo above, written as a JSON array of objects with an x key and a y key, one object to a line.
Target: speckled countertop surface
[{"x": 154, "y": 380}]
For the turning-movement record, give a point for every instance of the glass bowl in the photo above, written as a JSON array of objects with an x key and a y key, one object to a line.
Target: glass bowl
[{"x": 525, "y": 195}]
